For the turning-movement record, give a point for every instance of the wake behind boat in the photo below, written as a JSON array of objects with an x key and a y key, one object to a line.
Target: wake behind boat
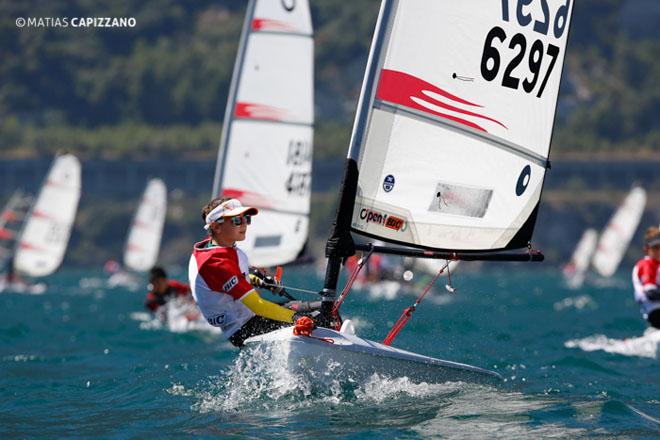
[{"x": 646, "y": 345}]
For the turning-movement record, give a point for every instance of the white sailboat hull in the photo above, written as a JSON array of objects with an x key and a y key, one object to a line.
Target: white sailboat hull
[{"x": 351, "y": 356}]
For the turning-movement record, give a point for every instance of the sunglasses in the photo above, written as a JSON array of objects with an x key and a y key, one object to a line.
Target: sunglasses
[{"x": 237, "y": 220}]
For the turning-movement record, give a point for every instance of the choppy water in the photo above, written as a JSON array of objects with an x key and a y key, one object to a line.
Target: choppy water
[{"x": 80, "y": 361}]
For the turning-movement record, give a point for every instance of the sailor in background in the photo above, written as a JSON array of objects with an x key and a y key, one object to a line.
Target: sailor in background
[
  {"x": 646, "y": 278},
  {"x": 220, "y": 277},
  {"x": 161, "y": 290}
]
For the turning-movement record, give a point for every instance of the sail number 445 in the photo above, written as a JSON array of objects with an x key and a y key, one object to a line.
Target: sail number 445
[{"x": 497, "y": 37}]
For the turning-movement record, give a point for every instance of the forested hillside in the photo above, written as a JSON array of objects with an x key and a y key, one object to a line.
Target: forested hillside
[{"x": 159, "y": 88}]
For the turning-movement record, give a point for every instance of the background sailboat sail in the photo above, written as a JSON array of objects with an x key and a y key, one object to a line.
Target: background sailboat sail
[
  {"x": 576, "y": 269},
  {"x": 143, "y": 243},
  {"x": 460, "y": 110},
  {"x": 265, "y": 155},
  {"x": 11, "y": 219},
  {"x": 44, "y": 238},
  {"x": 615, "y": 239}
]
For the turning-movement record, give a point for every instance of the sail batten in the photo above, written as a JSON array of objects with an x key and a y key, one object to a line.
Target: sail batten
[
  {"x": 452, "y": 147},
  {"x": 495, "y": 141}
]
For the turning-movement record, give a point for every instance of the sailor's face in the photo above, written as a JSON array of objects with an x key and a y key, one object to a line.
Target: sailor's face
[
  {"x": 230, "y": 231},
  {"x": 160, "y": 285},
  {"x": 653, "y": 251}
]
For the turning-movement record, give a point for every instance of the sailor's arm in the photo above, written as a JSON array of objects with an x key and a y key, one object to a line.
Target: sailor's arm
[{"x": 265, "y": 308}]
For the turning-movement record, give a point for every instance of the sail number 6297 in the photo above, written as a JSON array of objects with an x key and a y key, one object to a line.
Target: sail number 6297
[{"x": 491, "y": 61}]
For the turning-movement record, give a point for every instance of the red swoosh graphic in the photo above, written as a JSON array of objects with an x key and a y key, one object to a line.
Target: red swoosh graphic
[
  {"x": 407, "y": 90},
  {"x": 28, "y": 246},
  {"x": 249, "y": 110},
  {"x": 9, "y": 216},
  {"x": 247, "y": 198},
  {"x": 267, "y": 24},
  {"x": 40, "y": 214}
]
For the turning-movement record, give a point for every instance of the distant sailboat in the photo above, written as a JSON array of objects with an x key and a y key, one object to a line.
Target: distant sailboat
[
  {"x": 45, "y": 235},
  {"x": 144, "y": 235},
  {"x": 11, "y": 220},
  {"x": 576, "y": 270},
  {"x": 448, "y": 154},
  {"x": 616, "y": 236},
  {"x": 265, "y": 153}
]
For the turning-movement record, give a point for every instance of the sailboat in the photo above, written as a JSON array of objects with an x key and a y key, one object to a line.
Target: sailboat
[
  {"x": 576, "y": 270},
  {"x": 447, "y": 157},
  {"x": 11, "y": 220},
  {"x": 265, "y": 152},
  {"x": 616, "y": 236},
  {"x": 144, "y": 235},
  {"x": 43, "y": 240}
]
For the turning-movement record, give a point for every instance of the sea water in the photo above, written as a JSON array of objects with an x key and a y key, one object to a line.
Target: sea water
[{"x": 83, "y": 360}]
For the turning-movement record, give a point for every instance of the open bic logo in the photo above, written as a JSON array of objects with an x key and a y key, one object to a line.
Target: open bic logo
[{"x": 383, "y": 219}]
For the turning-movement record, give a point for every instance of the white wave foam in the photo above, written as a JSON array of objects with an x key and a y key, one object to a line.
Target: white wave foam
[{"x": 643, "y": 346}]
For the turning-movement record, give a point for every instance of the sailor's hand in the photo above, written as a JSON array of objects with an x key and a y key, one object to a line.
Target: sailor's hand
[
  {"x": 272, "y": 284},
  {"x": 256, "y": 280},
  {"x": 304, "y": 306}
]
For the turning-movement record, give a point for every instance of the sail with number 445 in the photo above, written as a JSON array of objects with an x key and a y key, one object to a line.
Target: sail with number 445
[{"x": 265, "y": 154}]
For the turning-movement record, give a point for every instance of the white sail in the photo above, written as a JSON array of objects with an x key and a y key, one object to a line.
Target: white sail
[
  {"x": 576, "y": 269},
  {"x": 615, "y": 239},
  {"x": 44, "y": 238},
  {"x": 453, "y": 151},
  {"x": 265, "y": 155},
  {"x": 143, "y": 243}
]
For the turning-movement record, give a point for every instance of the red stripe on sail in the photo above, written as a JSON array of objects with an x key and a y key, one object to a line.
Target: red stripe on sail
[
  {"x": 40, "y": 214},
  {"x": 266, "y": 24},
  {"x": 27, "y": 246},
  {"x": 6, "y": 234},
  {"x": 247, "y": 198},
  {"x": 140, "y": 224},
  {"x": 400, "y": 88},
  {"x": 249, "y": 110},
  {"x": 9, "y": 216}
]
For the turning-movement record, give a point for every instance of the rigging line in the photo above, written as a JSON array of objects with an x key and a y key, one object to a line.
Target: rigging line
[
  {"x": 349, "y": 283},
  {"x": 407, "y": 313}
]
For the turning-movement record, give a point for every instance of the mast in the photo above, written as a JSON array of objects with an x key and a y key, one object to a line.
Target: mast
[
  {"x": 231, "y": 100},
  {"x": 340, "y": 243}
]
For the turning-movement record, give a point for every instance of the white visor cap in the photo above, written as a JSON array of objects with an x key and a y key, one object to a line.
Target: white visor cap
[{"x": 230, "y": 208}]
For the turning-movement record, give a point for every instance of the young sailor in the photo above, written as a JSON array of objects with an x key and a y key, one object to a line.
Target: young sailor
[
  {"x": 220, "y": 279},
  {"x": 646, "y": 278},
  {"x": 162, "y": 290}
]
